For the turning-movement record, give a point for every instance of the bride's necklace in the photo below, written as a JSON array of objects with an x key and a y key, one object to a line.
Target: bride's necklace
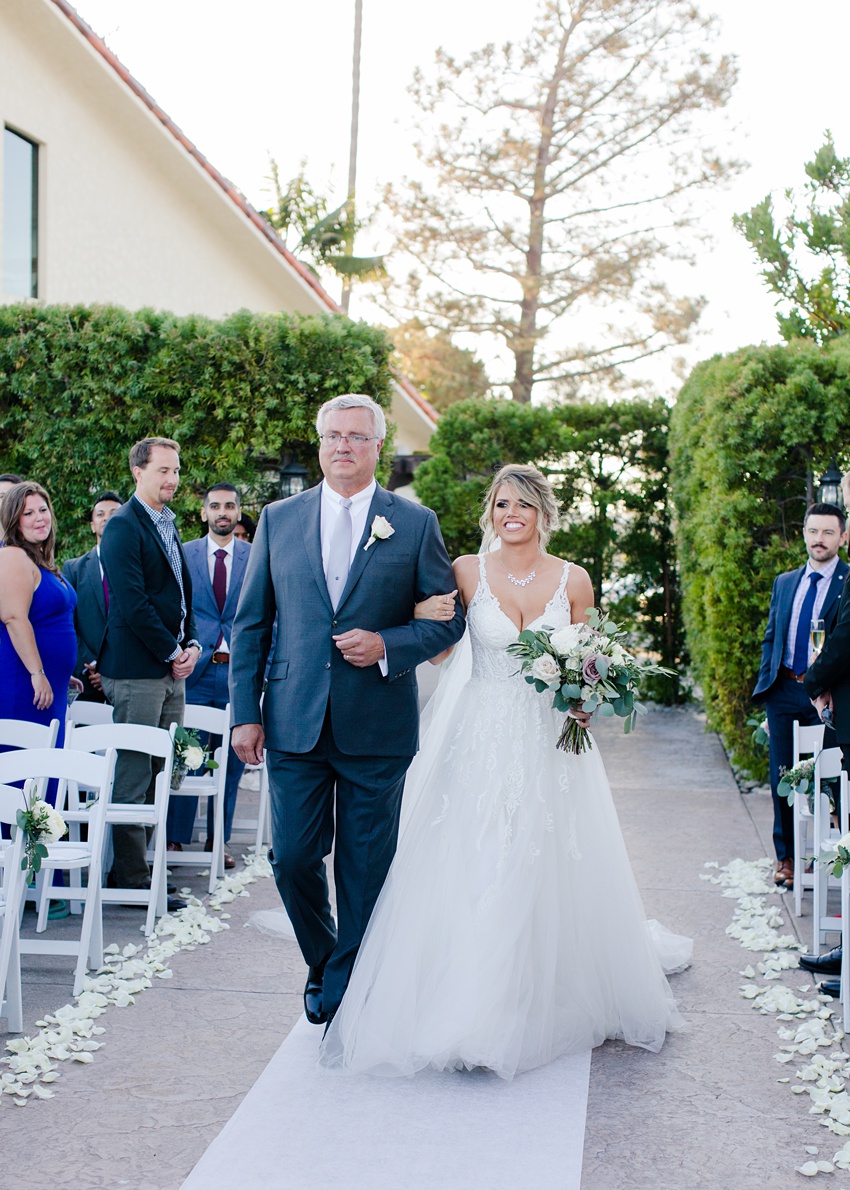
[{"x": 520, "y": 582}]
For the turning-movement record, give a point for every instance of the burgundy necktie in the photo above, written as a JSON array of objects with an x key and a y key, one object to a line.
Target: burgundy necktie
[
  {"x": 220, "y": 585},
  {"x": 106, "y": 594}
]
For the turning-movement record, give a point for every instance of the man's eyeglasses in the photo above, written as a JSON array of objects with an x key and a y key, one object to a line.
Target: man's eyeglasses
[{"x": 333, "y": 439}]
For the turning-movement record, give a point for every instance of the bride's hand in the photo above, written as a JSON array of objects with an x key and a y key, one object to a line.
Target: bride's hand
[
  {"x": 438, "y": 607},
  {"x": 581, "y": 717}
]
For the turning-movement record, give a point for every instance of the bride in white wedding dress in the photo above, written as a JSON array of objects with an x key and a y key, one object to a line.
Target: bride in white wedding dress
[{"x": 510, "y": 929}]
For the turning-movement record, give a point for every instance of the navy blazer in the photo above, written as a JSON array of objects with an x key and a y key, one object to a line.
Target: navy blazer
[
  {"x": 143, "y": 626},
  {"x": 779, "y": 617},
  {"x": 209, "y": 621},
  {"x": 83, "y": 574},
  {"x": 370, "y": 715}
]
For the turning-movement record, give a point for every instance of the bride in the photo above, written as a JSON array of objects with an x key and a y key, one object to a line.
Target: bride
[{"x": 510, "y": 929}]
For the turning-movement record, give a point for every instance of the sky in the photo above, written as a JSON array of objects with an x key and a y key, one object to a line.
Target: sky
[{"x": 265, "y": 77}]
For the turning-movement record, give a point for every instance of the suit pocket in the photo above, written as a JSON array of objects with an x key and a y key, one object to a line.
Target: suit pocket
[
  {"x": 387, "y": 557},
  {"x": 278, "y": 670}
]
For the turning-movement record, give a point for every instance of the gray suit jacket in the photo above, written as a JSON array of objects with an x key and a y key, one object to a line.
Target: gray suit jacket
[{"x": 371, "y": 715}]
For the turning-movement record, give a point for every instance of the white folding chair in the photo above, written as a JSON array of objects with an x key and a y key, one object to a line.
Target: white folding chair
[
  {"x": 259, "y": 827},
  {"x": 845, "y": 939},
  {"x": 210, "y": 785},
  {"x": 87, "y": 713},
  {"x": 827, "y": 766},
  {"x": 98, "y": 773},
  {"x": 807, "y": 741},
  {"x": 11, "y": 900},
  {"x": 20, "y": 733},
  {"x": 155, "y": 742}
]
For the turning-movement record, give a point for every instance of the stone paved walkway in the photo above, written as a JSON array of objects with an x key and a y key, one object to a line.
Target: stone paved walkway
[{"x": 707, "y": 1112}]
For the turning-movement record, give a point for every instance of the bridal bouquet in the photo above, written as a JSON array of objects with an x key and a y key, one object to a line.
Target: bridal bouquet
[
  {"x": 584, "y": 667},
  {"x": 41, "y": 824},
  {"x": 189, "y": 754}
]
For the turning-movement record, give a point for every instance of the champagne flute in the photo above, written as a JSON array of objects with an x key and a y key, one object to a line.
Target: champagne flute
[{"x": 817, "y": 634}]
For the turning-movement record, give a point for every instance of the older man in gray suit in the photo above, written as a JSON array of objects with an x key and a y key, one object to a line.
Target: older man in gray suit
[{"x": 342, "y": 566}]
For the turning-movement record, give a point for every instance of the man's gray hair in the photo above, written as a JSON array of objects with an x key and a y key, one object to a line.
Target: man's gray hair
[{"x": 354, "y": 401}]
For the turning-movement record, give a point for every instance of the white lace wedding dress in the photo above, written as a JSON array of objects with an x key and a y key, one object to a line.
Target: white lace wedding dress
[{"x": 510, "y": 929}]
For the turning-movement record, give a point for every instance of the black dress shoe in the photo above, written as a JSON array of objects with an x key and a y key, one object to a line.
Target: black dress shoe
[
  {"x": 175, "y": 904},
  {"x": 823, "y": 964},
  {"x": 830, "y": 987},
  {"x": 313, "y": 1009}
]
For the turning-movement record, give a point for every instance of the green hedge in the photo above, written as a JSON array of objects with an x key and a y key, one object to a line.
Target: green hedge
[
  {"x": 746, "y": 432},
  {"x": 79, "y": 385},
  {"x": 608, "y": 464}
]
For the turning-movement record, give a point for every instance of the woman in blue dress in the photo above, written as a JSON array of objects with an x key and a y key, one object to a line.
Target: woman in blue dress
[{"x": 38, "y": 644}]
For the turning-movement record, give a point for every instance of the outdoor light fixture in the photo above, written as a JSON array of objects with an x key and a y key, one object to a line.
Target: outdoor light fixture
[
  {"x": 829, "y": 488},
  {"x": 293, "y": 476}
]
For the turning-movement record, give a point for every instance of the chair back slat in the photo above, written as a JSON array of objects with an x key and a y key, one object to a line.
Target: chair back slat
[
  {"x": 210, "y": 719},
  {"x": 20, "y": 733},
  {"x": 84, "y": 767},
  {"x": 85, "y": 712},
  {"x": 132, "y": 737},
  {"x": 806, "y": 741}
]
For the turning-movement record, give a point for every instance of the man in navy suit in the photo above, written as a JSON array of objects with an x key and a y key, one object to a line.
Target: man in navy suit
[
  {"x": 86, "y": 576},
  {"x": 807, "y": 593},
  {"x": 342, "y": 565},
  {"x": 217, "y": 565}
]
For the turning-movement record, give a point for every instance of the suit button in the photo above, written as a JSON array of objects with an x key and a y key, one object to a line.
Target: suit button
[
  {"x": 327, "y": 665},
  {"x": 336, "y": 624}
]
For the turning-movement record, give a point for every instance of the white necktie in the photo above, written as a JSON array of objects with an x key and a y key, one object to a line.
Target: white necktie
[{"x": 339, "y": 559}]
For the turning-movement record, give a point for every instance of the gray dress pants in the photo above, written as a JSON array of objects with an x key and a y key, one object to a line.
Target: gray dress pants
[{"x": 155, "y": 702}]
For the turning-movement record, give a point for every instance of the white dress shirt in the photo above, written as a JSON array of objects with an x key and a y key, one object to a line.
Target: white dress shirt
[
  {"x": 820, "y": 597},
  {"x": 330, "y": 511},
  {"x": 223, "y": 645},
  {"x": 359, "y": 511}
]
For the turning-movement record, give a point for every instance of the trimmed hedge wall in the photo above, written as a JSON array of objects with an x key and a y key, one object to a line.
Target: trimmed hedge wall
[
  {"x": 608, "y": 464},
  {"x": 746, "y": 431},
  {"x": 79, "y": 385}
]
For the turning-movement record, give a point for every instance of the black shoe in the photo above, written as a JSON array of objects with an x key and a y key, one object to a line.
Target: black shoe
[
  {"x": 823, "y": 964},
  {"x": 830, "y": 987},
  {"x": 313, "y": 1009},
  {"x": 175, "y": 904}
]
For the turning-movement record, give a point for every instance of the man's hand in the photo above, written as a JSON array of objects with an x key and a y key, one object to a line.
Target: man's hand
[
  {"x": 822, "y": 701},
  {"x": 93, "y": 676},
  {"x": 360, "y": 648},
  {"x": 248, "y": 740},
  {"x": 183, "y": 665}
]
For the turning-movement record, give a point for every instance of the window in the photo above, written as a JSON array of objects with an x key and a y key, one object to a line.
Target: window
[{"x": 20, "y": 216}]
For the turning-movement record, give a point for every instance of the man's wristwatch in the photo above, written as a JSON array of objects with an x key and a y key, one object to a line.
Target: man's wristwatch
[{"x": 196, "y": 644}]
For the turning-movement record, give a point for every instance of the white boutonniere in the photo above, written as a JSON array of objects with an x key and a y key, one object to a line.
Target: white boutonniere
[{"x": 381, "y": 530}]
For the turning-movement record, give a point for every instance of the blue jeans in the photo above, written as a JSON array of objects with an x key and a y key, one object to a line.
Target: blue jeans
[{"x": 209, "y": 691}]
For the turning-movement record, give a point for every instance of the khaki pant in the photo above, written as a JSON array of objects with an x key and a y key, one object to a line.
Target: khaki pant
[{"x": 154, "y": 702}]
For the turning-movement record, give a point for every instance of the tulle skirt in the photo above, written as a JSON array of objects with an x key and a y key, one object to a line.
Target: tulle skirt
[{"x": 510, "y": 929}]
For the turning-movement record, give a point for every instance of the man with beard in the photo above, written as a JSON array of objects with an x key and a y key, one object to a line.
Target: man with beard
[
  {"x": 217, "y": 565},
  {"x": 799, "y": 596}
]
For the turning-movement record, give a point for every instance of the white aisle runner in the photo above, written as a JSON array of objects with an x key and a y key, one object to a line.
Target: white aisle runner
[{"x": 301, "y": 1126}]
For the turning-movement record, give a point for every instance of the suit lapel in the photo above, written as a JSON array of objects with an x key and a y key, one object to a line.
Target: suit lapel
[
  {"x": 91, "y": 577},
  {"x": 311, "y": 529},
  {"x": 238, "y": 562},
  {"x": 788, "y": 601},
  {"x": 836, "y": 586},
  {"x": 382, "y": 504}
]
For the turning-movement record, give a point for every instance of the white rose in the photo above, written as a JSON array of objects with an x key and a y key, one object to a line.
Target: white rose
[
  {"x": 193, "y": 758},
  {"x": 55, "y": 826},
  {"x": 381, "y": 530},
  {"x": 586, "y": 692},
  {"x": 564, "y": 640},
  {"x": 844, "y": 842},
  {"x": 545, "y": 669}
]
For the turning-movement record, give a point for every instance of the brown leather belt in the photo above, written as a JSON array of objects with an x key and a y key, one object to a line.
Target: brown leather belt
[
  {"x": 784, "y": 672},
  {"x": 220, "y": 659}
]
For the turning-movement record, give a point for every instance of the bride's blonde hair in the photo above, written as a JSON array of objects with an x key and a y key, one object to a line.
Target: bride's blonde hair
[{"x": 530, "y": 485}]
